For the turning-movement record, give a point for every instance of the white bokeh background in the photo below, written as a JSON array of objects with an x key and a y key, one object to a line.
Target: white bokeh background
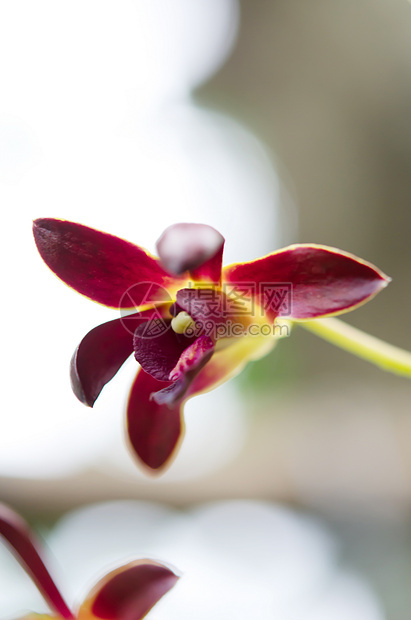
[{"x": 98, "y": 125}]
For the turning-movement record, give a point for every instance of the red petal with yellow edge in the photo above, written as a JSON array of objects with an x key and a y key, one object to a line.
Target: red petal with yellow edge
[
  {"x": 103, "y": 351},
  {"x": 324, "y": 281},
  {"x": 155, "y": 431},
  {"x": 129, "y": 592},
  {"x": 101, "y": 266},
  {"x": 196, "y": 248},
  {"x": 27, "y": 550}
]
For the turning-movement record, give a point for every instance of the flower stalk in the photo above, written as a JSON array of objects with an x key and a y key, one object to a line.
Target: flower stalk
[{"x": 370, "y": 348}]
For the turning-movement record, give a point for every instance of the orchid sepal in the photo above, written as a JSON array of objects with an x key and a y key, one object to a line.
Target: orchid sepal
[
  {"x": 101, "y": 266},
  {"x": 325, "y": 281}
]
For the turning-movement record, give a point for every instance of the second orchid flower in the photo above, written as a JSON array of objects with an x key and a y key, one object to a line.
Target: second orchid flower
[{"x": 129, "y": 591}]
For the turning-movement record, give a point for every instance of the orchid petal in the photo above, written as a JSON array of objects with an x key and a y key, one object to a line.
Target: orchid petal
[
  {"x": 100, "y": 266},
  {"x": 157, "y": 348},
  {"x": 154, "y": 430},
  {"x": 27, "y": 550},
  {"x": 324, "y": 281},
  {"x": 196, "y": 248},
  {"x": 129, "y": 592},
  {"x": 103, "y": 351}
]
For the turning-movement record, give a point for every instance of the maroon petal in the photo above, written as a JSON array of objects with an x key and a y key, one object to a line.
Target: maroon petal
[
  {"x": 191, "y": 361},
  {"x": 17, "y": 533},
  {"x": 308, "y": 281},
  {"x": 129, "y": 592},
  {"x": 157, "y": 348},
  {"x": 103, "y": 351},
  {"x": 196, "y": 248},
  {"x": 154, "y": 430},
  {"x": 105, "y": 268}
]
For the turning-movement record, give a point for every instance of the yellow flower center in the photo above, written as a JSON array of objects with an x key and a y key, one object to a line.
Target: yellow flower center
[{"x": 182, "y": 322}]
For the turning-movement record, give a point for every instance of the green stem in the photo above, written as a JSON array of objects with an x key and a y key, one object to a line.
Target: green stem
[{"x": 369, "y": 348}]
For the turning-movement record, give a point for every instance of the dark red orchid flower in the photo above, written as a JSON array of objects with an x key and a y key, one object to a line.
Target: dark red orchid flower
[
  {"x": 127, "y": 593},
  {"x": 196, "y": 324}
]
